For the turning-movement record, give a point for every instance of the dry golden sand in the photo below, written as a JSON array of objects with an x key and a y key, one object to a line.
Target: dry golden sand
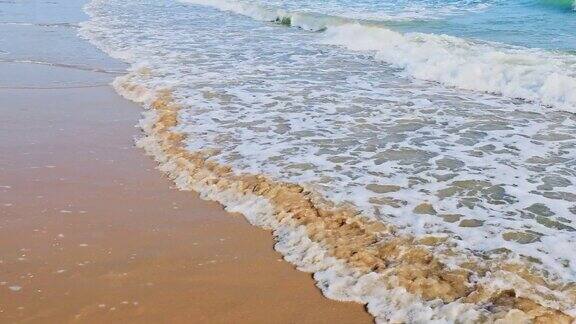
[
  {"x": 364, "y": 245},
  {"x": 91, "y": 232}
]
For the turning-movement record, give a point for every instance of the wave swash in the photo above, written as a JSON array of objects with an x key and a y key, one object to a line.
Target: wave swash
[{"x": 427, "y": 176}]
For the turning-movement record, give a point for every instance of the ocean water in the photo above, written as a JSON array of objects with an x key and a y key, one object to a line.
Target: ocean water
[{"x": 439, "y": 117}]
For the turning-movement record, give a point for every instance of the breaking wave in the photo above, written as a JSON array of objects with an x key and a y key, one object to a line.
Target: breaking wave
[
  {"x": 426, "y": 203},
  {"x": 562, "y": 4},
  {"x": 530, "y": 74}
]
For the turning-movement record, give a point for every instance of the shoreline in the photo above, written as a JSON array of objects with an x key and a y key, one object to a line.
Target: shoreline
[
  {"x": 90, "y": 230},
  {"x": 111, "y": 213},
  {"x": 353, "y": 258},
  {"x": 394, "y": 275}
]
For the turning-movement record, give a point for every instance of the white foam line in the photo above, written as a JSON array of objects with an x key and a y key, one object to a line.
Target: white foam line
[
  {"x": 384, "y": 299},
  {"x": 379, "y": 291},
  {"x": 515, "y": 72}
]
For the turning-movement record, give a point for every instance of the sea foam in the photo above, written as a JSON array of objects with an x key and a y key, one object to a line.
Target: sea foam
[
  {"x": 478, "y": 175},
  {"x": 535, "y": 75}
]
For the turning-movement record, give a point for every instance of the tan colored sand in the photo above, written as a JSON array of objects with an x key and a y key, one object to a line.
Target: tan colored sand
[{"x": 92, "y": 233}]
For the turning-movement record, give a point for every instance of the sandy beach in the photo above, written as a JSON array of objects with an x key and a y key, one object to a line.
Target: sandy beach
[
  {"x": 90, "y": 231},
  {"x": 314, "y": 161}
]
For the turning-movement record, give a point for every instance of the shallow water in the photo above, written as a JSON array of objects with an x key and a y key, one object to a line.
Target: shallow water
[
  {"x": 546, "y": 24},
  {"x": 436, "y": 134}
]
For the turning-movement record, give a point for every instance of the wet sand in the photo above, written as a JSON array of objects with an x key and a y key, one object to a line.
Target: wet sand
[{"x": 90, "y": 231}]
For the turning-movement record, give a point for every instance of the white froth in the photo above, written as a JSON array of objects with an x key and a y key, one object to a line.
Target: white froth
[
  {"x": 336, "y": 280},
  {"x": 515, "y": 72},
  {"x": 275, "y": 101}
]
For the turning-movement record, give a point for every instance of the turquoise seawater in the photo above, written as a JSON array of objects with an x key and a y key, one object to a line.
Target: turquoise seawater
[{"x": 549, "y": 24}]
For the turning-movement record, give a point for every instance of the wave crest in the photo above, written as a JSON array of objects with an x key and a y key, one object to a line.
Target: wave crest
[{"x": 538, "y": 76}]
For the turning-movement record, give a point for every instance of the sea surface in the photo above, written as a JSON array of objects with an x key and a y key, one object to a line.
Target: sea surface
[{"x": 446, "y": 117}]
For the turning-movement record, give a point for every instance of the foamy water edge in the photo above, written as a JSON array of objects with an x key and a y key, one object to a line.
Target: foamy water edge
[
  {"x": 386, "y": 299},
  {"x": 539, "y": 76}
]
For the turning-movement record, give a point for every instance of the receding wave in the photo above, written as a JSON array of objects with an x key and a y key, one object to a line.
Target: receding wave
[{"x": 515, "y": 72}]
